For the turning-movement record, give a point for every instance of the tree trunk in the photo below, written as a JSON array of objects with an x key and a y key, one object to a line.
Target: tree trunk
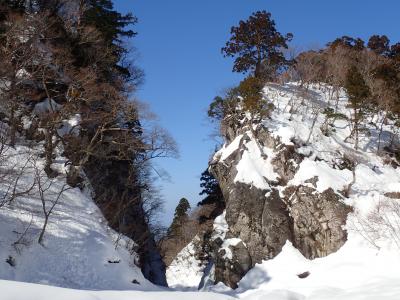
[
  {"x": 41, "y": 236},
  {"x": 13, "y": 127},
  {"x": 356, "y": 129},
  {"x": 380, "y": 133},
  {"x": 49, "y": 149},
  {"x": 257, "y": 72}
]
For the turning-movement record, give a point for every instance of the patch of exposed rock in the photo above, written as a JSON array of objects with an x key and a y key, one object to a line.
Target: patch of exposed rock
[
  {"x": 263, "y": 219},
  {"x": 317, "y": 220}
]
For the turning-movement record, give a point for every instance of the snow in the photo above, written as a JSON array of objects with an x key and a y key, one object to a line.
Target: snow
[
  {"x": 186, "y": 271},
  {"x": 78, "y": 244},
  {"x": 46, "y": 106},
  {"x": 356, "y": 271},
  {"x": 22, "y": 74},
  {"x": 226, "y": 246},
  {"x": 285, "y": 134},
  {"x": 70, "y": 126},
  {"x": 327, "y": 176},
  {"x": 253, "y": 168},
  {"x": 220, "y": 227},
  {"x": 232, "y": 147},
  {"x": 24, "y": 291},
  {"x": 361, "y": 269},
  {"x": 81, "y": 259}
]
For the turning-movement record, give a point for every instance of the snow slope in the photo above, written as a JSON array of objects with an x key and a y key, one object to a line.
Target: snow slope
[
  {"x": 356, "y": 271},
  {"x": 81, "y": 257},
  {"x": 186, "y": 270},
  {"x": 80, "y": 250}
]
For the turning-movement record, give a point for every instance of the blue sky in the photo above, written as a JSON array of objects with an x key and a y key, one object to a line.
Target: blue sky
[{"x": 179, "y": 44}]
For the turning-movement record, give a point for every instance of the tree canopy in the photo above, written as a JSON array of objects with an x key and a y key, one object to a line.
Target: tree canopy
[{"x": 256, "y": 42}]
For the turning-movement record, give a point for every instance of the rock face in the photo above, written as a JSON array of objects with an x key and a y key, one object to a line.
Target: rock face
[
  {"x": 112, "y": 189},
  {"x": 263, "y": 219},
  {"x": 231, "y": 269},
  {"x": 317, "y": 221}
]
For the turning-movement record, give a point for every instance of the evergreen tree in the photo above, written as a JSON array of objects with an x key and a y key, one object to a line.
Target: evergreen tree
[
  {"x": 254, "y": 42},
  {"x": 358, "y": 92},
  {"x": 180, "y": 216},
  {"x": 182, "y": 209},
  {"x": 110, "y": 23},
  {"x": 211, "y": 189},
  {"x": 348, "y": 42},
  {"x": 113, "y": 27},
  {"x": 379, "y": 44},
  {"x": 74, "y": 58},
  {"x": 250, "y": 89},
  {"x": 214, "y": 198},
  {"x": 395, "y": 52},
  {"x": 216, "y": 109}
]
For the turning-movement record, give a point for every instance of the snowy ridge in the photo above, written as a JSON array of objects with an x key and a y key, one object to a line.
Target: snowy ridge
[{"x": 323, "y": 153}]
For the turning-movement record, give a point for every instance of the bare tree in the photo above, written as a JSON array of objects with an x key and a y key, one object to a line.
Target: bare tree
[
  {"x": 382, "y": 222},
  {"x": 48, "y": 197}
]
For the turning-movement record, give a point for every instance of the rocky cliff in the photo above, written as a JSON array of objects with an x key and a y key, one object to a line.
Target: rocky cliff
[
  {"x": 267, "y": 212},
  {"x": 290, "y": 177}
]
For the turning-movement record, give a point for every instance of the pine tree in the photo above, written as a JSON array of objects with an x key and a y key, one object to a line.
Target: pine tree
[
  {"x": 180, "y": 216},
  {"x": 250, "y": 89},
  {"x": 358, "y": 92},
  {"x": 379, "y": 44},
  {"x": 395, "y": 52},
  {"x": 113, "y": 28},
  {"x": 348, "y": 42},
  {"x": 211, "y": 189},
  {"x": 254, "y": 42},
  {"x": 108, "y": 21},
  {"x": 182, "y": 209},
  {"x": 213, "y": 204}
]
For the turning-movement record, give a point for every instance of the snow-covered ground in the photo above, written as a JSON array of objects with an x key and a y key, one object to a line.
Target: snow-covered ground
[
  {"x": 186, "y": 270},
  {"x": 81, "y": 257},
  {"x": 11, "y": 290},
  {"x": 80, "y": 250}
]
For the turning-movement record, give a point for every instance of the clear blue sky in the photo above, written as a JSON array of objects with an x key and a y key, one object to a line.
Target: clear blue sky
[{"x": 179, "y": 44}]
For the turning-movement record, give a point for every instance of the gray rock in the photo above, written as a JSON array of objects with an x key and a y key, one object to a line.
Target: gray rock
[
  {"x": 318, "y": 220},
  {"x": 230, "y": 271},
  {"x": 264, "y": 220}
]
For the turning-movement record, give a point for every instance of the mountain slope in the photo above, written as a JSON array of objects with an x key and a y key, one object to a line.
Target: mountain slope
[
  {"x": 308, "y": 216},
  {"x": 79, "y": 250}
]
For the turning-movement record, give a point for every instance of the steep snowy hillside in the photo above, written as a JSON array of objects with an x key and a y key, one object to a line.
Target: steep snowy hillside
[
  {"x": 308, "y": 216},
  {"x": 80, "y": 257},
  {"x": 79, "y": 250}
]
